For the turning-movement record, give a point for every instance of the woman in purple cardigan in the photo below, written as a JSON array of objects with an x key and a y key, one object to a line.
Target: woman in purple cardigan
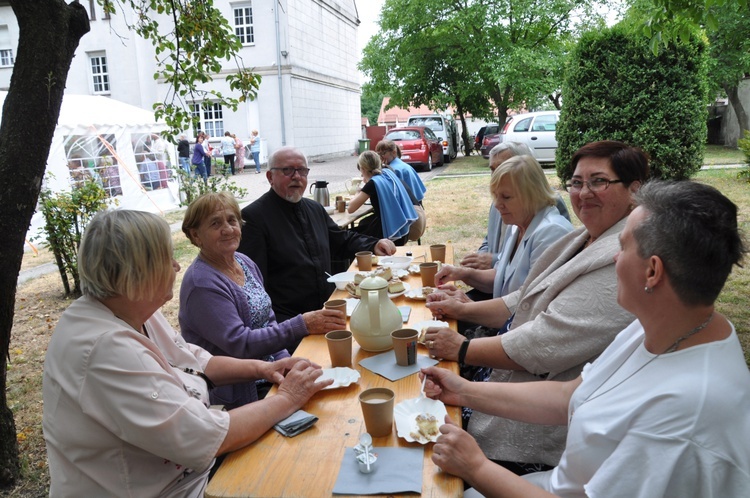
[{"x": 223, "y": 305}]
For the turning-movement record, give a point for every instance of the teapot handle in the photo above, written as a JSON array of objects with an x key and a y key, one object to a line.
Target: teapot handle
[
  {"x": 311, "y": 187},
  {"x": 374, "y": 312}
]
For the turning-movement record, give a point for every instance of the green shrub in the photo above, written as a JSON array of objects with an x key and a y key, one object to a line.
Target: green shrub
[
  {"x": 192, "y": 187},
  {"x": 66, "y": 215},
  {"x": 615, "y": 88},
  {"x": 744, "y": 145}
]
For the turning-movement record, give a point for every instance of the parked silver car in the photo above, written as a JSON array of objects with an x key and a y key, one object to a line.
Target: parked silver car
[{"x": 535, "y": 129}]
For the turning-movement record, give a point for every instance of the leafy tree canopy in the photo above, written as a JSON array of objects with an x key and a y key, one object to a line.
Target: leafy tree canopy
[{"x": 487, "y": 56}]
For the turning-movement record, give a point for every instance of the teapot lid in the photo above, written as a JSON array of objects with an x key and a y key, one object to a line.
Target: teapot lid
[
  {"x": 373, "y": 283},
  {"x": 321, "y": 184}
]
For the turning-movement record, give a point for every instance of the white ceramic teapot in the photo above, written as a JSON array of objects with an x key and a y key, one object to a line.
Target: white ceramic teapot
[
  {"x": 352, "y": 185},
  {"x": 375, "y": 316}
]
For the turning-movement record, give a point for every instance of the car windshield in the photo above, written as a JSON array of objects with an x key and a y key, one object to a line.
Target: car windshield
[
  {"x": 403, "y": 135},
  {"x": 435, "y": 124}
]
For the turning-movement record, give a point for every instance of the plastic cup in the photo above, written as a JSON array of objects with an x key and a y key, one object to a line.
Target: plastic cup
[
  {"x": 377, "y": 409},
  {"x": 340, "y": 348},
  {"x": 405, "y": 346},
  {"x": 428, "y": 271},
  {"x": 437, "y": 252},
  {"x": 364, "y": 260}
]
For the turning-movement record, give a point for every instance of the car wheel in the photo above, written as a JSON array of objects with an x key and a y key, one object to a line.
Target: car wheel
[
  {"x": 446, "y": 159},
  {"x": 429, "y": 163},
  {"x": 440, "y": 160}
]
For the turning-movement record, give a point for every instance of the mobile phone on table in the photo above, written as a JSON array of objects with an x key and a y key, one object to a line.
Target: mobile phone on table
[{"x": 405, "y": 312}]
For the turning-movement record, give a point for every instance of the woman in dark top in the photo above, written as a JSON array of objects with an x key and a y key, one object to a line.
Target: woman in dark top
[{"x": 392, "y": 201}]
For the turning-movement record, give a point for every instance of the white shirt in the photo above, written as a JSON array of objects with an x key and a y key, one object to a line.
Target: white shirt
[
  {"x": 643, "y": 425},
  {"x": 121, "y": 417}
]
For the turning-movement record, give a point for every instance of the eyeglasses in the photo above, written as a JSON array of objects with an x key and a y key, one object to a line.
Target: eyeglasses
[
  {"x": 594, "y": 185},
  {"x": 291, "y": 171}
]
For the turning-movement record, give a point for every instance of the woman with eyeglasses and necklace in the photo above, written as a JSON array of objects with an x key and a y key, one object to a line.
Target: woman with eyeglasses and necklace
[
  {"x": 565, "y": 313},
  {"x": 126, "y": 404},
  {"x": 663, "y": 410},
  {"x": 392, "y": 202}
]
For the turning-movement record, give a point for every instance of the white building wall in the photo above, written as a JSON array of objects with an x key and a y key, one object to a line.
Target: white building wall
[{"x": 319, "y": 78}]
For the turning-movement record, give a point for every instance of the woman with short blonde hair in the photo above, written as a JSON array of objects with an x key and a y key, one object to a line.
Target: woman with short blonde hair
[{"x": 126, "y": 403}]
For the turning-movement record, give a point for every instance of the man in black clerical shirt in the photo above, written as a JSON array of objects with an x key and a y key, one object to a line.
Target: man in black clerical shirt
[{"x": 293, "y": 240}]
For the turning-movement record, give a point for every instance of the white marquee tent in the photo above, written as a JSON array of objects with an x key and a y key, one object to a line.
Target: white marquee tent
[{"x": 117, "y": 145}]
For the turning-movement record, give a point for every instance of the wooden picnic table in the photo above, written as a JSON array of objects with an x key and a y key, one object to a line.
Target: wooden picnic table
[
  {"x": 308, "y": 464},
  {"x": 346, "y": 220}
]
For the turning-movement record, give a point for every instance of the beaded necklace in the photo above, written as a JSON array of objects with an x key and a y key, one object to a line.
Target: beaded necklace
[{"x": 670, "y": 349}]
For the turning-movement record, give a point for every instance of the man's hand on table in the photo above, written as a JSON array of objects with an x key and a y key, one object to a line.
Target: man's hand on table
[
  {"x": 385, "y": 247},
  {"x": 323, "y": 321}
]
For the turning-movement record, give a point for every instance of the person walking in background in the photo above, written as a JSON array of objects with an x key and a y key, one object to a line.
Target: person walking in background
[
  {"x": 183, "y": 153},
  {"x": 255, "y": 150},
  {"x": 239, "y": 154},
  {"x": 227, "y": 149},
  {"x": 209, "y": 152},
  {"x": 199, "y": 157}
]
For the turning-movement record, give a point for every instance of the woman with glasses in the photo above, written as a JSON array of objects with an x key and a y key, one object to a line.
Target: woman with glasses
[
  {"x": 392, "y": 203},
  {"x": 663, "y": 410},
  {"x": 224, "y": 307},
  {"x": 565, "y": 313}
]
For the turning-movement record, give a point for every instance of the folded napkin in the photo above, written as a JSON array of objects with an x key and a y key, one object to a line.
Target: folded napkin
[
  {"x": 385, "y": 365},
  {"x": 397, "y": 470},
  {"x": 295, "y": 423}
]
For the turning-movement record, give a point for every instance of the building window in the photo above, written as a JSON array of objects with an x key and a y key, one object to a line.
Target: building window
[
  {"x": 99, "y": 73},
  {"x": 6, "y": 57},
  {"x": 92, "y": 10},
  {"x": 243, "y": 24},
  {"x": 6, "y": 52},
  {"x": 211, "y": 117}
]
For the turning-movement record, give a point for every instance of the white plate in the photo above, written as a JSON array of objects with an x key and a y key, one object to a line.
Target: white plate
[
  {"x": 405, "y": 415},
  {"x": 342, "y": 377},
  {"x": 417, "y": 294},
  {"x": 406, "y": 289},
  {"x": 425, "y": 324}
]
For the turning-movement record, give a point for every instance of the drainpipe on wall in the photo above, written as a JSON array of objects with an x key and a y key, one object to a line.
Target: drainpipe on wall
[{"x": 278, "y": 71}]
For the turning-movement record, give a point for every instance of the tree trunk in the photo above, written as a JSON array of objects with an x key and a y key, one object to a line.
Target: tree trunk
[
  {"x": 739, "y": 110},
  {"x": 49, "y": 32},
  {"x": 468, "y": 146}
]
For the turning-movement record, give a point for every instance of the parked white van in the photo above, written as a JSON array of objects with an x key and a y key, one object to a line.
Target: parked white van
[{"x": 445, "y": 129}]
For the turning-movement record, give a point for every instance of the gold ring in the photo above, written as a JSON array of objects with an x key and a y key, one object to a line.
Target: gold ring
[{"x": 430, "y": 344}]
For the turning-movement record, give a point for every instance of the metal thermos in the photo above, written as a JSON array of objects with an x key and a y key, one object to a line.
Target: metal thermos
[{"x": 320, "y": 194}]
